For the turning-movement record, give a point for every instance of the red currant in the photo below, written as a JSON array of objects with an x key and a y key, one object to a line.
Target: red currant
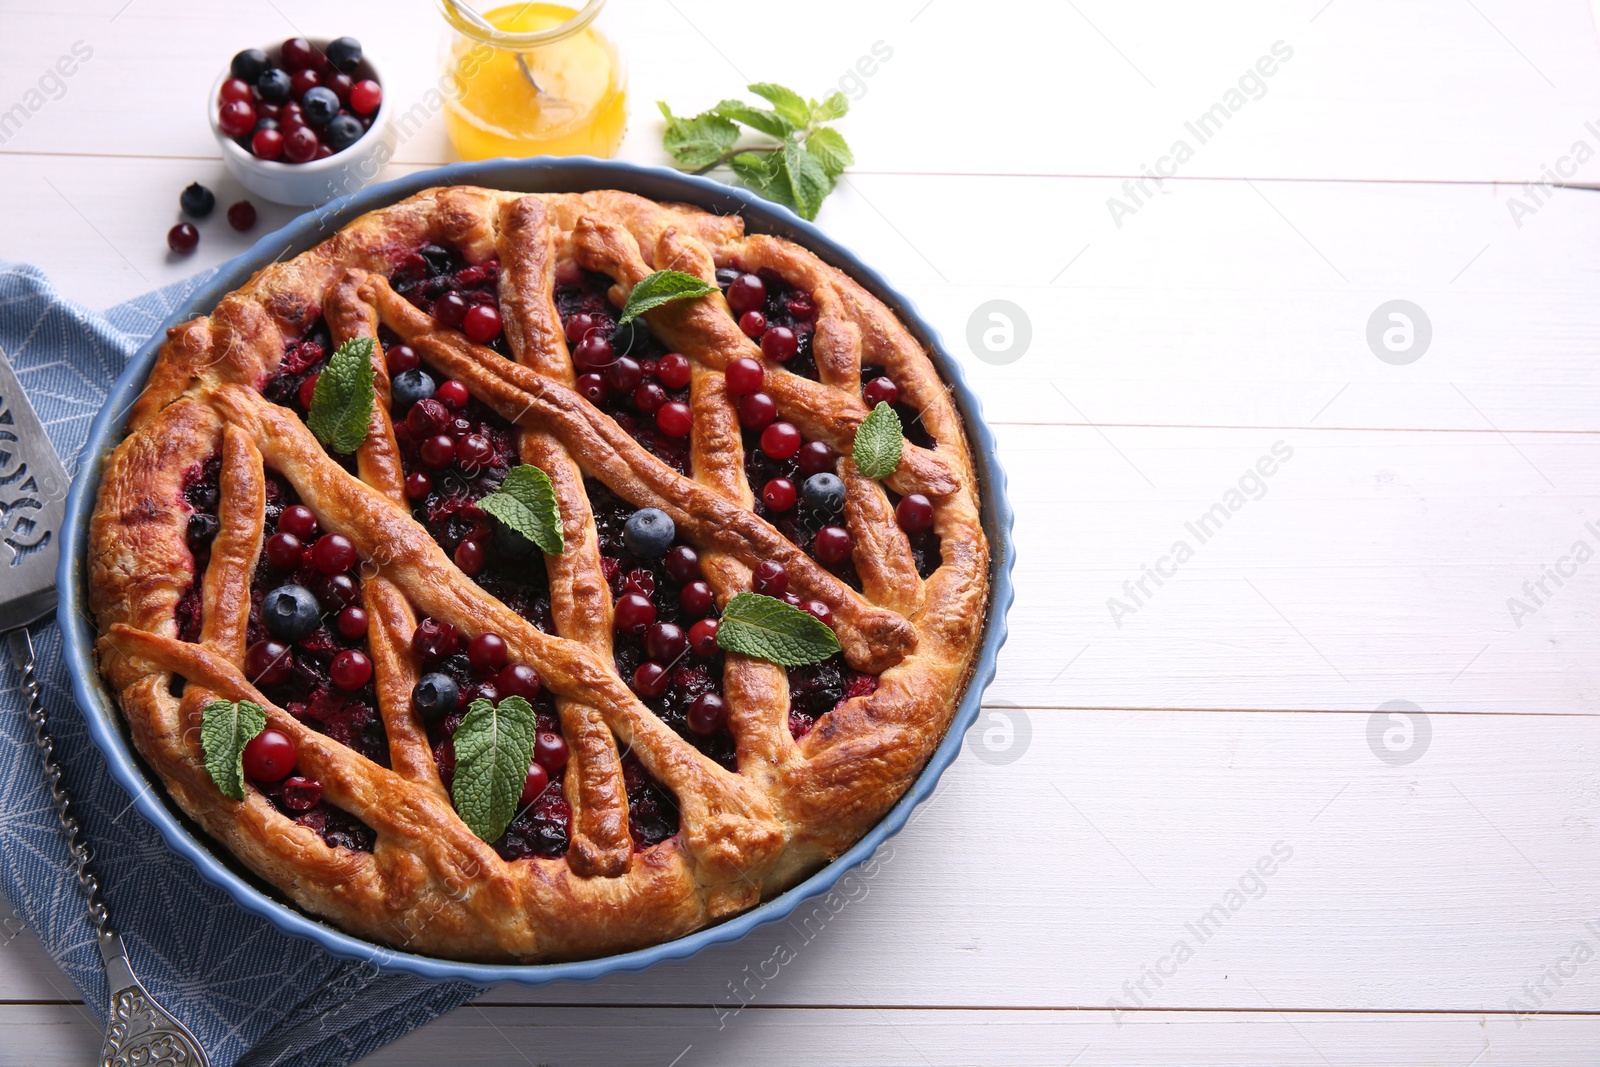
[
  {"x": 301, "y": 794},
  {"x": 673, "y": 370},
  {"x": 269, "y": 756},
  {"x": 815, "y": 457},
  {"x": 537, "y": 781},
  {"x": 241, "y": 215},
  {"x": 298, "y": 519},
  {"x": 683, "y": 563},
  {"x": 350, "y": 669},
  {"x": 665, "y": 642},
  {"x": 580, "y": 326},
  {"x": 594, "y": 351},
  {"x": 780, "y": 440},
  {"x": 267, "y": 144},
  {"x": 819, "y": 610},
  {"x": 695, "y": 600},
  {"x": 237, "y": 118},
  {"x": 487, "y": 653},
  {"x": 450, "y": 309},
  {"x": 268, "y": 663},
  {"x": 365, "y": 96},
  {"x": 452, "y": 394},
  {"x": 300, "y": 143},
  {"x": 427, "y": 417},
  {"x": 401, "y": 358},
  {"x": 779, "y": 493},
  {"x": 703, "y": 638},
  {"x": 648, "y": 398},
  {"x": 435, "y": 639},
  {"x": 707, "y": 714},
  {"x": 651, "y": 680},
  {"x": 633, "y": 613},
  {"x": 481, "y": 324},
  {"x": 183, "y": 238},
  {"x": 283, "y": 551},
  {"x": 757, "y": 411},
  {"x": 832, "y": 545},
  {"x": 518, "y": 680},
  {"x": 351, "y": 623},
  {"x": 753, "y": 323},
  {"x": 308, "y": 391},
  {"x": 593, "y": 388},
  {"x": 881, "y": 391},
  {"x": 550, "y": 751},
  {"x": 747, "y": 293},
  {"x": 333, "y": 554},
  {"x": 438, "y": 451},
  {"x": 914, "y": 513},
  {"x": 769, "y": 578},
  {"x": 341, "y": 84},
  {"x": 624, "y": 374},
  {"x": 673, "y": 419},
  {"x": 470, "y": 557},
  {"x": 418, "y": 485},
  {"x": 744, "y": 376},
  {"x": 303, "y": 81},
  {"x": 779, "y": 343},
  {"x": 236, "y": 89},
  {"x": 474, "y": 451},
  {"x": 298, "y": 54}
]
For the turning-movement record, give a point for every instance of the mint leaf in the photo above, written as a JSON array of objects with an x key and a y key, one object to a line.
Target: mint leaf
[
  {"x": 663, "y": 287},
  {"x": 764, "y": 174},
  {"x": 808, "y": 182},
  {"x": 788, "y": 103},
  {"x": 699, "y": 141},
  {"x": 827, "y": 147},
  {"x": 835, "y": 106},
  {"x": 878, "y": 442},
  {"x": 526, "y": 502},
  {"x": 767, "y": 628},
  {"x": 341, "y": 404},
  {"x": 226, "y": 726},
  {"x": 494, "y": 749},
  {"x": 767, "y": 121}
]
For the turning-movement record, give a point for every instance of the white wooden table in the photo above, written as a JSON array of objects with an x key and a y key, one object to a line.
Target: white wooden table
[{"x": 1435, "y": 879}]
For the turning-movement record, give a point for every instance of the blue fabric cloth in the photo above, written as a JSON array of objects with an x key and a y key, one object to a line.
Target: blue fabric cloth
[{"x": 251, "y": 995}]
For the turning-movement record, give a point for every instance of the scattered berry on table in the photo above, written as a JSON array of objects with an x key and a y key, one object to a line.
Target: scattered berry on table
[
  {"x": 242, "y": 215},
  {"x": 183, "y": 238},
  {"x": 196, "y": 200}
]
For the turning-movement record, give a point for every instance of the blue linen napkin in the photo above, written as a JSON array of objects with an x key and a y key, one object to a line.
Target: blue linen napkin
[{"x": 253, "y": 996}]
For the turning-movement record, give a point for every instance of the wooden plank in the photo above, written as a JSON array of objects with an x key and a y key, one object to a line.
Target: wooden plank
[{"x": 1055, "y": 880}]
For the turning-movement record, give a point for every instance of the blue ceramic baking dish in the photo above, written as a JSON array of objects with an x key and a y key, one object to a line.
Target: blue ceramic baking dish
[{"x": 545, "y": 175}]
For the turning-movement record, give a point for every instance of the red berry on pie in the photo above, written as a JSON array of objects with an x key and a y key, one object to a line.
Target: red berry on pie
[
  {"x": 351, "y": 623},
  {"x": 779, "y": 343},
  {"x": 268, "y": 663},
  {"x": 673, "y": 370},
  {"x": 308, "y": 391},
  {"x": 674, "y": 419},
  {"x": 401, "y": 358},
  {"x": 648, "y": 397},
  {"x": 833, "y": 545},
  {"x": 481, "y": 324},
  {"x": 550, "y": 751},
  {"x": 580, "y": 326},
  {"x": 434, "y": 639},
  {"x": 914, "y": 513},
  {"x": 536, "y": 782},
  {"x": 769, "y": 578},
  {"x": 880, "y": 391},
  {"x": 283, "y": 551},
  {"x": 487, "y": 653},
  {"x": 757, "y": 411},
  {"x": 301, "y": 794},
  {"x": 299, "y": 520},
  {"x": 683, "y": 563},
  {"x": 633, "y": 613},
  {"x": 708, "y": 713},
  {"x": 744, "y": 376},
  {"x": 518, "y": 680},
  {"x": 333, "y": 554},
  {"x": 665, "y": 642},
  {"x": 594, "y": 351},
  {"x": 624, "y": 374},
  {"x": 438, "y": 451},
  {"x": 746, "y": 293},
  {"x": 593, "y": 388},
  {"x": 474, "y": 452},
  {"x": 651, "y": 680},
  {"x": 350, "y": 669},
  {"x": 818, "y": 610},
  {"x": 427, "y": 417},
  {"x": 753, "y": 323},
  {"x": 452, "y": 394},
  {"x": 778, "y": 494},
  {"x": 703, "y": 638},
  {"x": 780, "y": 440},
  {"x": 450, "y": 310},
  {"x": 269, "y": 756},
  {"x": 816, "y": 457},
  {"x": 418, "y": 485},
  {"x": 470, "y": 557},
  {"x": 695, "y": 600}
]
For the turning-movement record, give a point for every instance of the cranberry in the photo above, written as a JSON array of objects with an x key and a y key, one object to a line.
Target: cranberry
[
  {"x": 303, "y": 81},
  {"x": 452, "y": 394},
  {"x": 182, "y": 238},
  {"x": 665, "y": 642},
  {"x": 880, "y": 391},
  {"x": 298, "y": 54},
  {"x": 236, "y": 89},
  {"x": 268, "y": 663},
  {"x": 269, "y": 756},
  {"x": 267, "y": 144},
  {"x": 308, "y": 391},
  {"x": 708, "y": 713},
  {"x": 648, "y": 398},
  {"x": 580, "y": 326},
  {"x": 335, "y": 590},
  {"x": 793, "y": 599},
  {"x": 550, "y": 751},
  {"x": 236, "y": 118},
  {"x": 537, "y": 781},
  {"x": 241, "y": 215},
  {"x": 744, "y": 376},
  {"x": 333, "y": 554},
  {"x": 648, "y": 367},
  {"x": 438, "y": 451},
  {"x": 753, "y": 323},
  {"x": 819, "y": 610},
  {"x": 815, "y": 457},
  {"x": 299, "y": 520},
  {"x": 757, "y": 411},
  {"x": 481, "y": 324},
  {"x": 769, "y": 578},
  {"x": 283, "y": 551},
  {"x": 450, "y": 309},
  {"x": 703, "y": 638},
  {"x": 350, "y": 669},
  {"x": 780, "y": 440},
  {"x": 470, "y": 557},
  {"x": 779, "y": 493},
  {"x": 779, "y": 343},
  {"x": 673, "y": 370},
  {"x": 435, "y": 639},
  {"x": 594, "y": 351},
  {"x": 651, "y": 679},
  {"x": 801, "y": 306},
  {"x": 474, "y": 451},
  {"x": 351, "y": 623},
  {"x": 485, "y": 690},
  {"x": 341, "y": 84},
  {"x": 301, "y": 794},
  {"x": 401, "y": 358},
  {"x": 593, "y": 388},
  {"x": 674, "y": 420},
  {"x": 427, "y": 417},
  {"x": 633, "y": 613},
  {"x": 695, "y": 600},
  {"x": 300, "y": 143},
  {"x": 624, "y": 374},
  {"x": 747, "y": 293},
  {"x": 418, "y": 485},
  {"x": 914, "y": 512},
  {"x": 365, "y": 96},
  {"x": 640, "y": 580},
  {"x": 487, "y": 653},
  {"x": 683, "y": 563},
  {"x": 832, "y": 545},
  {"x": 518, "y": 680}
]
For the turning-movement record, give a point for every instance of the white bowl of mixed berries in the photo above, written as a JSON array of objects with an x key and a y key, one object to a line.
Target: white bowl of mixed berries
[{"x": 302, "y": 122}]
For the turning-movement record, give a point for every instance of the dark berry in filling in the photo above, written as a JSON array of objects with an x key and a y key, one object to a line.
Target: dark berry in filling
[
  {"x": 437, "y": 280},
  {"x": 789, "y": 313},
  {"x": 652, "y": 811},
  {"x": 819, "y": 688},
  {"x": 202, "y": 493},
  {"x": 799, "y": 522}
]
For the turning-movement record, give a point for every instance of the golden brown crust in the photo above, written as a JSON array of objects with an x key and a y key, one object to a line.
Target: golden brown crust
[{"x": 430, "y": 885}]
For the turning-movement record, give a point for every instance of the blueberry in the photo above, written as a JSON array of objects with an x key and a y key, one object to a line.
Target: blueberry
[
  {"x": 196, "y": 200},
  {"x": 435, "y": 695},
  {"x": 274, "y": 85},
  {"x": 290, "y": 612},
  {"x": 824, "y": 492},
  {"x": 265, "y": 123},
  {"x": 319, "y": 105},
  {"x": 344, "y": 131},
  {"x": 648, "y": 533},
  {"x": 408, "y": 387},
  {"x": 344, "y": 53},
  {"x": 250, "y": 64}
]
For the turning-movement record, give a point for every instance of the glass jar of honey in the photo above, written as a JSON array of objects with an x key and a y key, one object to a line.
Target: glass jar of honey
[{"x": 531, "y": 79}]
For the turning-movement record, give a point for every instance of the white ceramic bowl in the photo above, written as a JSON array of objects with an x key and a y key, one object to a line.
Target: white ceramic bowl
[{"x": 321, "y": 180}]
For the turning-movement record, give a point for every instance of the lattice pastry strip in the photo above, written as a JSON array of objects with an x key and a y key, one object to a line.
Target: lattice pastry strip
[{"x": 429, "y": 884}]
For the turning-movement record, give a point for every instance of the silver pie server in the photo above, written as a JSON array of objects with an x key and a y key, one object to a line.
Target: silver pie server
[{"x": 33, "y": 493}]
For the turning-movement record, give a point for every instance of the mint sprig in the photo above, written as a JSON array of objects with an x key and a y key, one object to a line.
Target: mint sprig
[
  {"x": 494, "y": 749},
  {"x": 798, "y": 171},
  {"x": 767, "y": 628},
  {"x": 341, "y": 404},
  {"x": 879, "y": 441},
  {"x": 526, "y": 502},
  {"x": 226, "y": 726},
  {"x": 662, "y": 287}
]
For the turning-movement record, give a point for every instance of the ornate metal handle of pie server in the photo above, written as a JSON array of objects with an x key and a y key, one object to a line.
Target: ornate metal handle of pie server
[{"x": 138, "y": 1030}]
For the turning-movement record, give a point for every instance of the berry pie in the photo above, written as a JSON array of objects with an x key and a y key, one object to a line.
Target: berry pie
[{"x": 523, "y": 578}]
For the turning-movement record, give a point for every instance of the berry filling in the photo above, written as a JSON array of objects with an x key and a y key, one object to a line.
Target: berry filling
[
  {"x": 798, "y": 492},
  {"x": 300, "y": 799},
  {"x": 774, "y": 314},
  {"x": 202, "y": 493},
  {"x": 652, "y": 811},
  {"x": 626, "y": 372},
  {"x": 819, "y": 688},
  {"x": 438, "y": 281}
]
